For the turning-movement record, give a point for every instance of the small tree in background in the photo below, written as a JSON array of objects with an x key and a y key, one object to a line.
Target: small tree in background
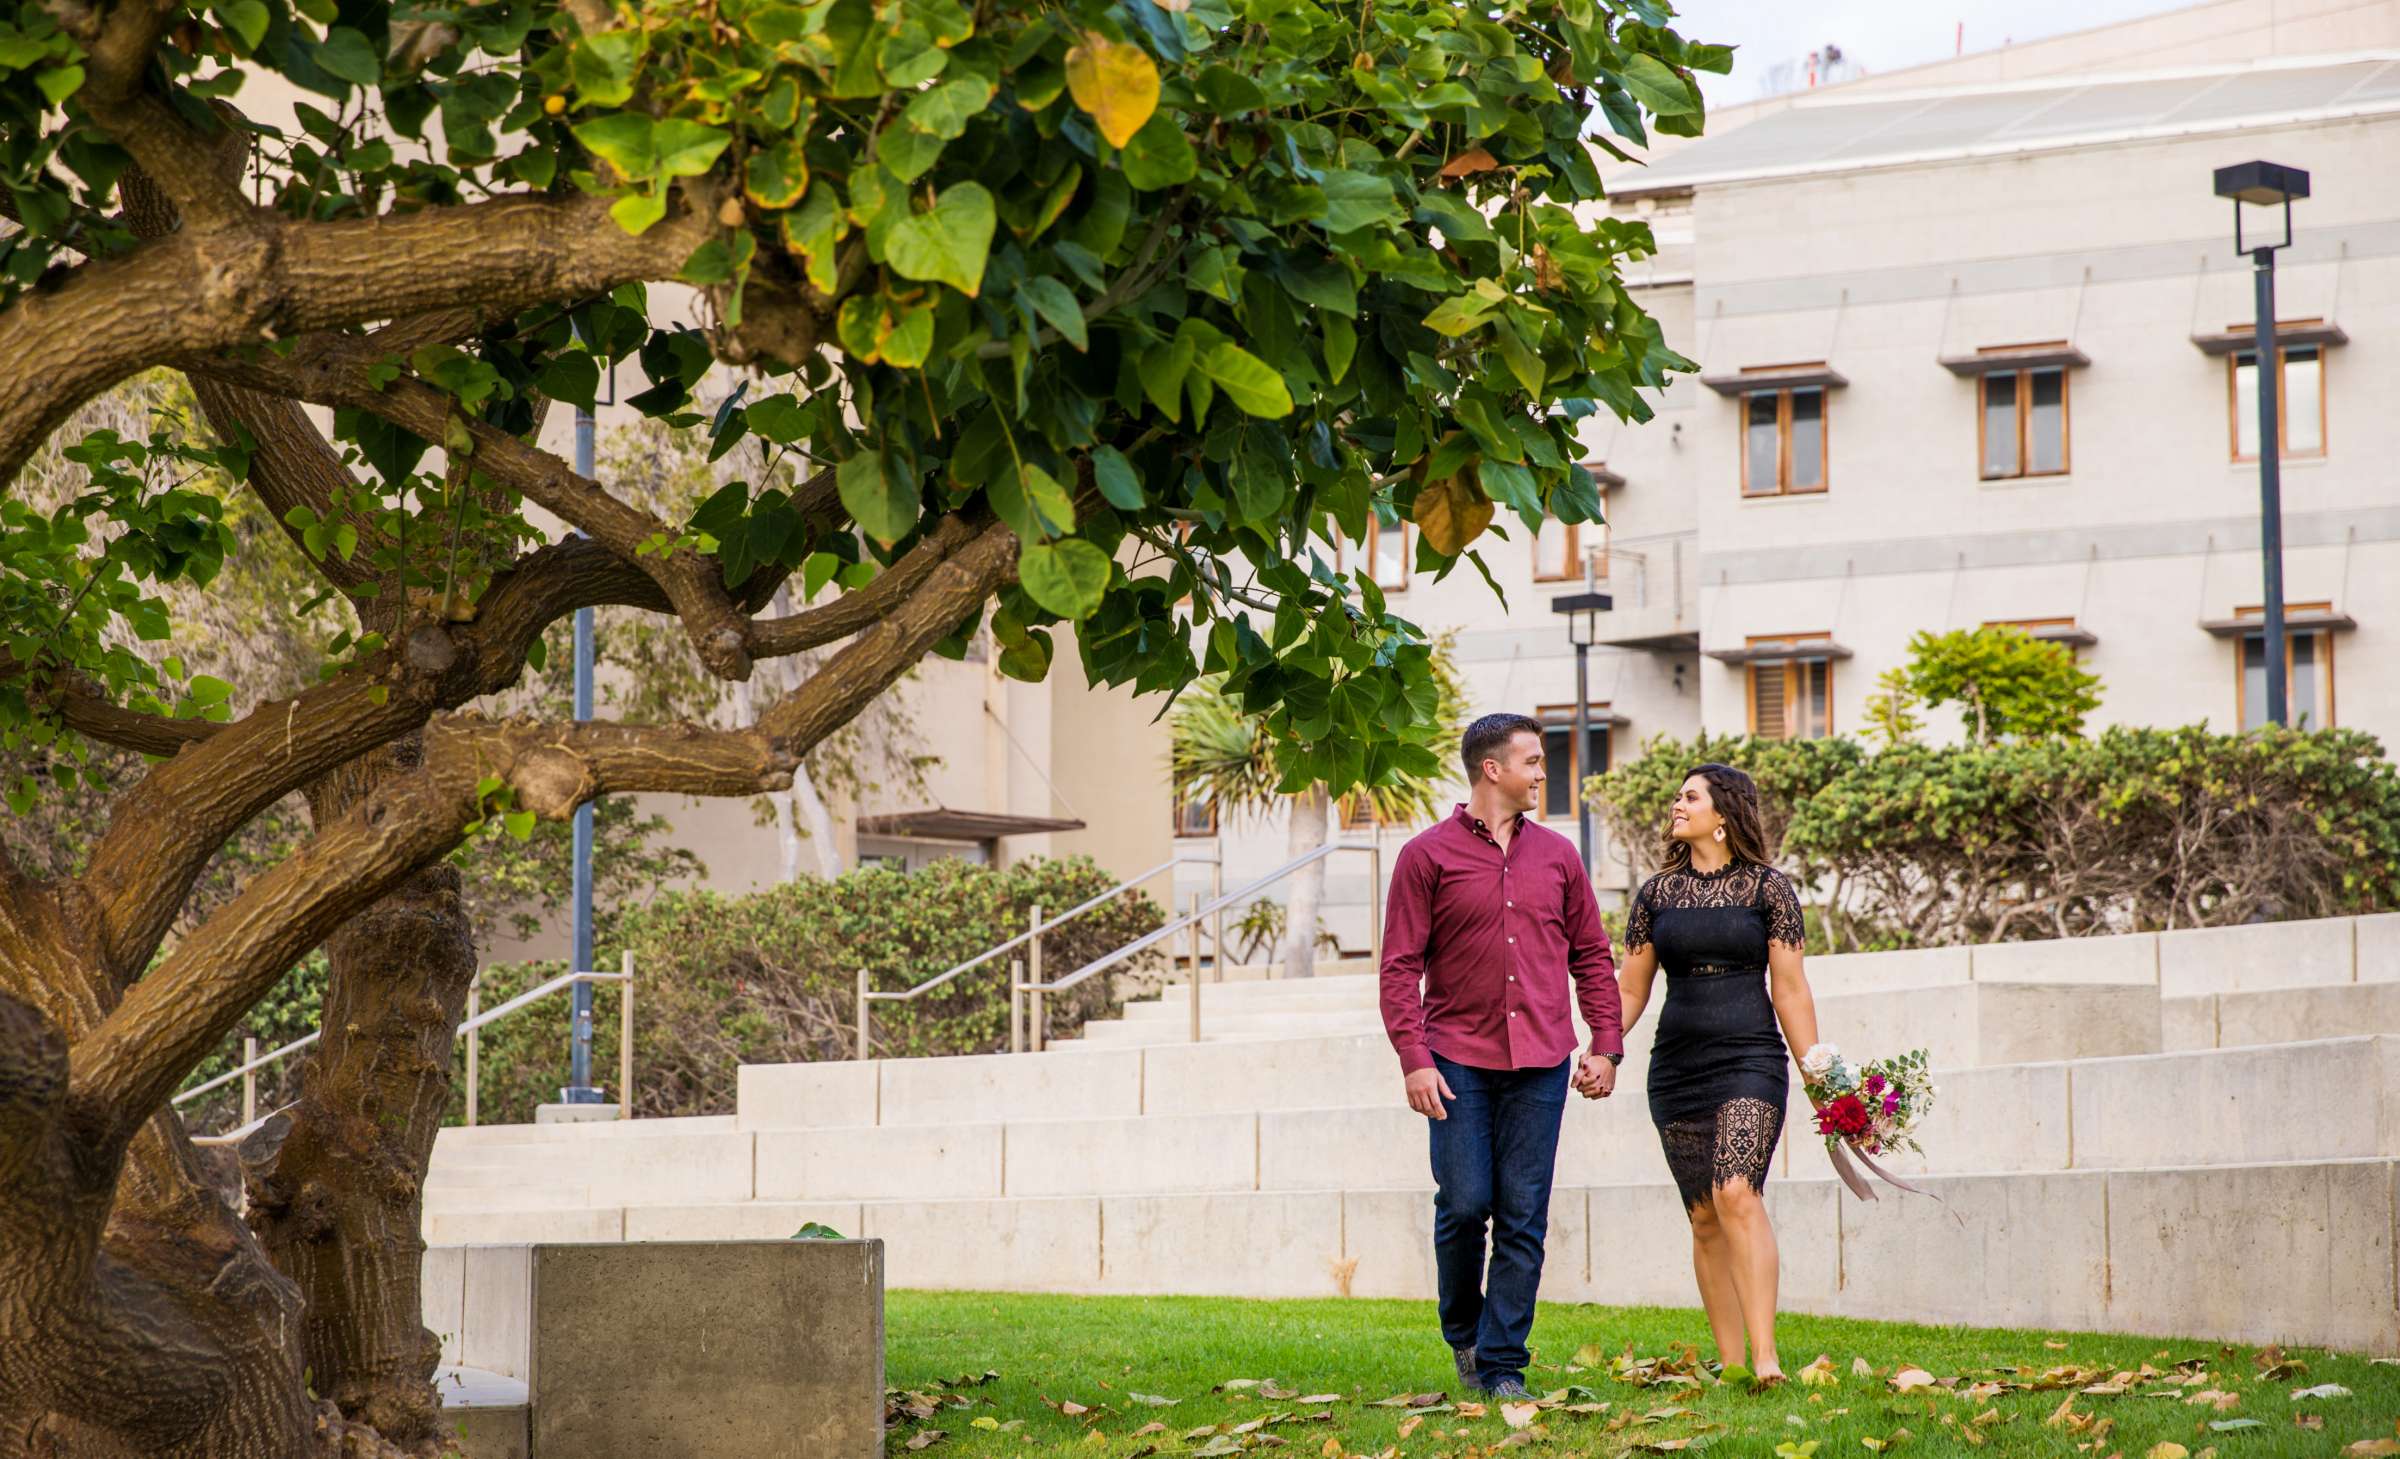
[
  {"x": 1222, "y": 755},
  {"x": 2007, "y": 684}
]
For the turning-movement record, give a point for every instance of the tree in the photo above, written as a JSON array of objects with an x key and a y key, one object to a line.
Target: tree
[
  {"x": 1008, "y": 280},
  {"x": 1219, "y": 755},
  {"x": 2007, "y": 683}
]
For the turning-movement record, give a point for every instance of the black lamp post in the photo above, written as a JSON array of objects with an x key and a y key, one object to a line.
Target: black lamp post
[
  {"x": 1582, "y": 611},
  {"x": 2267, "y": 185}
]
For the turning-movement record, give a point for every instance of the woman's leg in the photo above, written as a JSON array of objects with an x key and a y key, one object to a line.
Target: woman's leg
[
  {"x": 1750, "y": 1255},
  {"x": 1712, "y": 1264}
]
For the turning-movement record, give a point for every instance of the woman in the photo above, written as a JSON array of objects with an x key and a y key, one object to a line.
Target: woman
[{"x": 1726, "y": 926}]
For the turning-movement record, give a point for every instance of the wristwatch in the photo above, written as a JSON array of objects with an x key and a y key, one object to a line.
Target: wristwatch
[{"x": 1614, "y": 1058}]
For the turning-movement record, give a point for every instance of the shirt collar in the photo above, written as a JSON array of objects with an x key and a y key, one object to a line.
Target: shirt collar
[{"x": 1474, "y": 823}]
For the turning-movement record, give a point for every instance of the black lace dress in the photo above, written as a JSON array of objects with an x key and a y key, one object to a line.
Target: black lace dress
[{"x": 1719, "y": 1072}]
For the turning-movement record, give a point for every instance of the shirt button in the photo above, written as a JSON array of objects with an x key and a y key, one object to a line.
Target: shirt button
[
  {"x": 1512, "y": 939},
  {"x": 1512, "y": 977},
  {"x": 1512, "y": 1013}
]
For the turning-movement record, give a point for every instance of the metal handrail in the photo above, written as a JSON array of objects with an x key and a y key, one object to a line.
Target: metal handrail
[
  {"x": 1031, "y": 935},
  {"x": 1039, "y": 927},
  {"x": 470, "y": 1030},
  {"x": 1035, "y": 988}
]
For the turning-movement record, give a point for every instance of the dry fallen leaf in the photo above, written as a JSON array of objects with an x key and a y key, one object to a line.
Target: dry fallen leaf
[
  {"x": 1469, "y": 162},
  {"x": 2054, "y": 1345},
  {"x": 1519, "y": 1415},
  {"x": 2322, "y": 1390},
  {"x": 1818, "y": 1374},
  {"x": 1471, "y": 1410},
  {"x": 2223, "y": 1402},
  {"x": 1411, "y": 1424},
  {"x": 1860, "y": 1368},
  {"x": 2372, "y": 1448},
  {"x": 1908, "y": 1380},
  {"x": 2311, "y": 1421},
  {"x": 1146, "y": 1430},
  {"x": 1322, "y": 1398},
  {"x": 2168, "y": 1450},
  {"x": 1332, "y": 1449},
  {"x": 924, "y": 1439}
]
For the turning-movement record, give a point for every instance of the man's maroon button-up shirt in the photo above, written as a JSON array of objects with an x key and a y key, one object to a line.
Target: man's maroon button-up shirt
[{"x": 1478, "y": 947}]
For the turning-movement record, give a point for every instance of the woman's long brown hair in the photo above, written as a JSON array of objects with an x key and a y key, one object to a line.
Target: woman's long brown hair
[{"x": 1735, "y": 795}]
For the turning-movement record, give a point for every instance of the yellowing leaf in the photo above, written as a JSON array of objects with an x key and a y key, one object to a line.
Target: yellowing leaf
[
  {"x": 1114, "y": 81},
  {"x": 1818, "y": 1374},
  {"x": 1908, "y": 1380},
  {"x": 1519, "y": 1415},
  {"x": 1452, "y": 513},
  {"x": 2168, "y": 1449},
  {"x": 1411, "y": 1424}
]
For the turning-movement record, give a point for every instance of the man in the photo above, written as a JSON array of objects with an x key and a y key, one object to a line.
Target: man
[{"x": 1491, "y": 914}]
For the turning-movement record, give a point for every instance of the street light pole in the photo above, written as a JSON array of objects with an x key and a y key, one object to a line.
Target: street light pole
[
  {"x": 2267, "y": 184},
  {"x": 2270, "y": 485},
  {"x": 579, "y": 1055},
  {"x": 1582, "y": 612}
]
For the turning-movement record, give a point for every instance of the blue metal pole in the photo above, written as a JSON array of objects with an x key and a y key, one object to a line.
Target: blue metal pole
[
  {"x": 579, "y": 1078},
  {"x": 2270, "y": 479}
]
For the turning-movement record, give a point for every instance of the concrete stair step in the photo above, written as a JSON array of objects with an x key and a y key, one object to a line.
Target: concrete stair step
[
  {"x": 2284, "y": 1015},
  {"x": 2194, "y": 1109},
  {"x": 2194, "y": 1252},
  {"x": 489, "y": 1414}
]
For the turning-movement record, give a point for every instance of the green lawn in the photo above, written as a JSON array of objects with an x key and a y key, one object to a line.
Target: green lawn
[{"x": 1053, "y": 1354}]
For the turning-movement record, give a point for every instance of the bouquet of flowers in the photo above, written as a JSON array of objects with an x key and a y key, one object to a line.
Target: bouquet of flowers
[{"x": 1868, "y": 1109}]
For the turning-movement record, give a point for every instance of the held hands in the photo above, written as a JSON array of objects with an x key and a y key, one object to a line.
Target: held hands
[
  {"x": 1596, "y": 1077},
  {"x": 1426, "y": 1091}
]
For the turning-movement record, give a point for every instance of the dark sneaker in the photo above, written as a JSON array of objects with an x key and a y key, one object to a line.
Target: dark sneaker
[
  {"x": 1469, "y": 1374},
  {"x": 1509, "y": 1388}
]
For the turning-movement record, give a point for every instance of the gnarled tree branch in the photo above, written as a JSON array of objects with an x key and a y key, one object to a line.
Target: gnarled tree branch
[
  {"x": 197, "y": 293},
  {"x": 124, "y": 1069},
  {"x": 855, "y": 612}
]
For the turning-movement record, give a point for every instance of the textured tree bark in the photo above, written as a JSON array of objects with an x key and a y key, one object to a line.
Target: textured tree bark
[
  {"x": 341, "y": 1208},
  {"x": 1310, "y": 812}
]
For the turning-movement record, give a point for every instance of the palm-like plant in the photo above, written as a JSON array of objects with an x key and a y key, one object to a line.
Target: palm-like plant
[{"x": 1223, "y": 755}]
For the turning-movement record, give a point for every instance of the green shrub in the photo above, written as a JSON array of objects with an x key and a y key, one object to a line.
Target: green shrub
[
  {"x": 2133, "y": 829},
  {"x": 772, "y": 977}
]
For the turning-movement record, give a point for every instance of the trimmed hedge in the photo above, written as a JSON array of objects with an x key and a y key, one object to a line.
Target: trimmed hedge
[
  {"x": 772, "y": 978},
  {"x": 2129, "y": 830}
]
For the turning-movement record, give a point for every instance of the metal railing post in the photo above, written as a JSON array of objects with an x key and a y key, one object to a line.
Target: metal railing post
[
  {"x": 1037, "y": 1034},
  {"x": 1375, "y": 902},
  {"x": 863, "y": 1032},
  {"x": 1195, "y": 931},
  {"x": 625, "y": 1041},
  {"x": 1016, "y": 1005},
  {"x": 474, "y": 1048},
  {"x": 249, "y": 1079},
  {"x": 1216, "y": 892}
]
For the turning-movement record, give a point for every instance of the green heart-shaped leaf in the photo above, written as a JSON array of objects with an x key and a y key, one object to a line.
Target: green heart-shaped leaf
[
  {"x": 948, "y": 245},
  {"x": 1068, "y": 578}
]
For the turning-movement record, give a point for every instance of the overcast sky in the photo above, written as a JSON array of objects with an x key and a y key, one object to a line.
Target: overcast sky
[{"x": 1881, "y": 35}]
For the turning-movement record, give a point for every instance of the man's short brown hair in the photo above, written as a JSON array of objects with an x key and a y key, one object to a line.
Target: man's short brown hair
[{"x": 1492, "y": 733}]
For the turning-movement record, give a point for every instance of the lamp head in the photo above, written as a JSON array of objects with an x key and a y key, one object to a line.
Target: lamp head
[
  {"x": 1582, "y": 610},
  {"x": 2264, "y": 184}
]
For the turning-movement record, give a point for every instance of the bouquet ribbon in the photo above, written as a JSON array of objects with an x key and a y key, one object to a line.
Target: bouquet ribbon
[{"x": 1844, "y": 1154}]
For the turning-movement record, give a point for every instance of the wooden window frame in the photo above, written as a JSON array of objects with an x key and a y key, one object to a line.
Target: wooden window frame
[
  {"x": 1184, "y": 832},
  {"x": 1366, "y": 553},
  {"x": 2283, "y": 398},
  {"x": 1793, "y": 670},
  {"x": 1783, "y": 442},
  {"x": 2074, "y": 650},
  {"x": 2241, "y": 656},
  {"x": 1562, "y": 717},
  {"x": 2066, "y": 424}
]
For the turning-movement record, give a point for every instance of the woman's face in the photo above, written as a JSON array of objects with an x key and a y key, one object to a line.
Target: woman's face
[{"x": 1695, "y": 817}]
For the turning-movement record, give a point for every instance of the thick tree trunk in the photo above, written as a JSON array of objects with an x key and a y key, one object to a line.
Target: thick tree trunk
[
  {"x": 138, "y": 1315},
  {"x": 1310, "y": 812},
  {"x": 341, "y": 1209}
]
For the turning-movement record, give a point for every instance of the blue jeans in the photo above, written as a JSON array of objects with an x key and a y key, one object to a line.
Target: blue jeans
[{"x": 1493, "y": 1159}]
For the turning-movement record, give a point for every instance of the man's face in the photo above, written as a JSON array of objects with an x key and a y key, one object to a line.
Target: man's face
[{"x": 1518, "y": 770}]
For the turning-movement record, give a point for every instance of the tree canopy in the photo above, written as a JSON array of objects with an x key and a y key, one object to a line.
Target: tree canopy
[{"x": 1110, "y": 315}]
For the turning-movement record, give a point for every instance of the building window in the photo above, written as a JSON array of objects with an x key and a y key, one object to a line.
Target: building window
[
  {"x": 1783, "y": 441},
  {"x": 2035, "y": 627},
  {"x": 1791, "y": 699},
  {"x": 2299, "y": 402},
  {"x": 2024, "y": 430},
  {"x": 1568, "y": 764},
  {"x": 2307, "y": 667},
  {"x": 1196, "y": 818},
  {"x": 1387, "y": 552}
]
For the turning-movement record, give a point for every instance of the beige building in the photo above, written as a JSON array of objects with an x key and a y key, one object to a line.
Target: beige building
[{"x": 1974, "y": 347}]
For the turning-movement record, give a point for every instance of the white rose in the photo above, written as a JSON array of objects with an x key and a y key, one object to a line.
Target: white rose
[{"x": 1819, "y": 1060}]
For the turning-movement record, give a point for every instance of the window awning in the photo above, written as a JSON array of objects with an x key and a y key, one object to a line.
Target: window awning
[
  {"x": 2314, "y": 620},
  {"x": 2017, "y": 357},
  {"x": 2229, "y": 341},
  {"x": 942, "y": 824},
  {"x": 1779, "y": 653},
  {"x": 1777, "y": 377},
  {"x": 2073, "y": 635},
  {"x": 1608, "y": 480}
]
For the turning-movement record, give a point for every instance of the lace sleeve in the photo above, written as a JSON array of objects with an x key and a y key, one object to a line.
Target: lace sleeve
[
  {"x": 1782, "y": 907},
  {"x": 1637, "y": 920}
]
